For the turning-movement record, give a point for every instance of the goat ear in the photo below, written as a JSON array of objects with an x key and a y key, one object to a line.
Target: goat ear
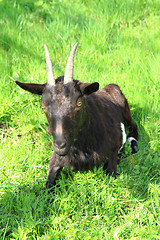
[
  {"x": 88, "y": 88},
  {"x": 32, "y": 87}
]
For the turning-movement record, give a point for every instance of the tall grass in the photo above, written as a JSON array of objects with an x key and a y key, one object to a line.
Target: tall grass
[{"x": 118, "y": 42}]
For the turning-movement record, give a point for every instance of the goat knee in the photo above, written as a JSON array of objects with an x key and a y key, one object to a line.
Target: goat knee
[{"x": 52, "y": 174}]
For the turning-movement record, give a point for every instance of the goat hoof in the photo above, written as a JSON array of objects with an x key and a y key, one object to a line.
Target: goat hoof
[
  {"x": 134, "y": 149},
  {"x": 49, "y": 185}
]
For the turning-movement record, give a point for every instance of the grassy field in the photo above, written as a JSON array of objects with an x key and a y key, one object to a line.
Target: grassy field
[{"x": 119, "y": 42}]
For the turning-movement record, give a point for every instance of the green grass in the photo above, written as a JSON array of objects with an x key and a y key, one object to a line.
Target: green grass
[{"x": 118, "y": 43}]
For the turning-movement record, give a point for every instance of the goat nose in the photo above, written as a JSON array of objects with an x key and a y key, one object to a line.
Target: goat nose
[{"x": 60, "y": 144}]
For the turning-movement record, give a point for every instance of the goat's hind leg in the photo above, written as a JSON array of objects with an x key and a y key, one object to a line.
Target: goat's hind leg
[
  {"x": 133, "y": 143},
  {"x": 132, "y": 137}
]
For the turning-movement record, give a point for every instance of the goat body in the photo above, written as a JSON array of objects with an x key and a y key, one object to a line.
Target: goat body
[{"x": 87, "y": 124}]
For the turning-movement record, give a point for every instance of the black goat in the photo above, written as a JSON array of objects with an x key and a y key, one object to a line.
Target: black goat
[{"x": 87, "y": 124}]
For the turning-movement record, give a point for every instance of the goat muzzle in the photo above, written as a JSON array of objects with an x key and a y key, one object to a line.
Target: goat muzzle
[{"x": 61, "y": 146}]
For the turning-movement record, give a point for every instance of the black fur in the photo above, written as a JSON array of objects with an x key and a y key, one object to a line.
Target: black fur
[{"x": 85, "y": 124}]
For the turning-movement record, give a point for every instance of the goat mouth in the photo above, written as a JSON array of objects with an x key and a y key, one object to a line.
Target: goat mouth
[{"x": 63, "y": 151}]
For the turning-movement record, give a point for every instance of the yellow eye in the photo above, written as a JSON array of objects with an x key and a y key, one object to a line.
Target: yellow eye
[
  {"x": 43, "y": 107},
  {"x": 79, "y": 104}
]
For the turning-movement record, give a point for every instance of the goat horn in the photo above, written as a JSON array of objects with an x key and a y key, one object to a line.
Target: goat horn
[
  {"x": 68, "y": 77},
  {"x": 50, "y": 74}
]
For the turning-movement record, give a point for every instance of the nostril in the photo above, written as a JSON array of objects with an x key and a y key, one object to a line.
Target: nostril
[{"x": 60, "y": 144}]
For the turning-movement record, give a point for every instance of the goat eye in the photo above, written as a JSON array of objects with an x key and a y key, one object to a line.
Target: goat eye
[
  {"x": 43, "y": 107},
  {"x": 79, "y": 104}
]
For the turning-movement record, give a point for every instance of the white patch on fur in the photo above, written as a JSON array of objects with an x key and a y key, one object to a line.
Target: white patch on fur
[
  {"x": 130, "y": 139},
  {"x": 124, "y": 137}
]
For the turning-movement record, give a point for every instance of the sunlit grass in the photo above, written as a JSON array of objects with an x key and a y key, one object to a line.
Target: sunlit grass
[{"x": 118, "y": 43}]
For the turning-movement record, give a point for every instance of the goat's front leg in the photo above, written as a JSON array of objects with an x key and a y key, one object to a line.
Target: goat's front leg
[
  {"x": 54, "y": 169},
  {"x": 111, "y": 165}
]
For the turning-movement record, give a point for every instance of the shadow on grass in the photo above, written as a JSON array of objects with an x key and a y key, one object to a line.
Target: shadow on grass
[
  {"x": 142, "y": 168},
  {"x": 23, "y": 206}
]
